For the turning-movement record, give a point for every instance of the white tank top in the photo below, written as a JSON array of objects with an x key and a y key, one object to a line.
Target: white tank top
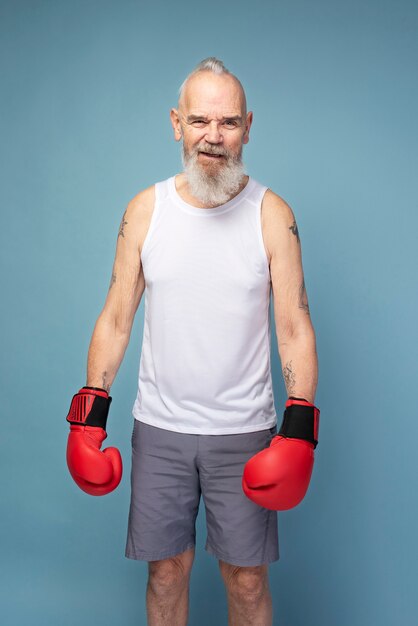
[{"x": 205, "y": 359}]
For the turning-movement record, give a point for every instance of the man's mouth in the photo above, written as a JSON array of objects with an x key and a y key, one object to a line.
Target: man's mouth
[{"x": 211, "y": 156}]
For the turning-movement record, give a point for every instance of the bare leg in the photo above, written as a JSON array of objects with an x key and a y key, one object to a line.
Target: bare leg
[
  {"x": 248, "y": 595},
  {"x": 167, "y": 595}
]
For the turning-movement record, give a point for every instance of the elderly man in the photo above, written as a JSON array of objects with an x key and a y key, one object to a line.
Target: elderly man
[{"x": 206, "y": 246}]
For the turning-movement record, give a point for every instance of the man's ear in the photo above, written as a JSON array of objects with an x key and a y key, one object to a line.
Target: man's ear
[
  {"x": 248, "y": 122},
  {"x": 175, "y": 122}
]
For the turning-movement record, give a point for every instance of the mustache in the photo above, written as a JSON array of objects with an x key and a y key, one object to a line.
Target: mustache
[{"x": 211, "y": 150}]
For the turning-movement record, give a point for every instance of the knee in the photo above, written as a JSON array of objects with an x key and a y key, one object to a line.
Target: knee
[
  {"x": 247, "y": 584},
  {"x": 170, "y": 575}
]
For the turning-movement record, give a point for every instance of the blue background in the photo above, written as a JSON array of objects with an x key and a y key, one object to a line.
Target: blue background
[{"x": 86, "y": 91}]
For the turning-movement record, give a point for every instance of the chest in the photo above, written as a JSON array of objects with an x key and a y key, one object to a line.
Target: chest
[{"x": 265, "y": 229}]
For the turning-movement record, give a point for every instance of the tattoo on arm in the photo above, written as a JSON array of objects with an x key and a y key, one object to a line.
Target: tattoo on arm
[
  {"x": 303, "y": 297},
  {"x": 294, "y": 229},
  {"x": 112, "y": 280},
  {"x": 122, "y": 226},
  {"x": 289, "y": 378},
  {"x": 105, "y": 384}
]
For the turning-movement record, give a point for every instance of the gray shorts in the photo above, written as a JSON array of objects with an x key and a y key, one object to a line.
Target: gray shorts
[{"x": 171, "y": 470}]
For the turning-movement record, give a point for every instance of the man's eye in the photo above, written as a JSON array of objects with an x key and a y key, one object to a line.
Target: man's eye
[
  {"x": 198, "y": 123},
  {"x": 230, "y": 123}
]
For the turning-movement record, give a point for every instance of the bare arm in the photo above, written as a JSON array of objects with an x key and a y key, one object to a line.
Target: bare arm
[
  {"x": 295, "y": 333},
  {"x": 113, "y": 327}
]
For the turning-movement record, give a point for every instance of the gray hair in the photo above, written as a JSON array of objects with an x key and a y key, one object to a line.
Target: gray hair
[{"x": 210, "y": 64}]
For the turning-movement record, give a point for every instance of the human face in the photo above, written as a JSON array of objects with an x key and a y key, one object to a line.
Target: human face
[{"x": 212, "y": 120}]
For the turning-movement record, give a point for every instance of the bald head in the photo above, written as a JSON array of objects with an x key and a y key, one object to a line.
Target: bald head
[
  {"x": 212, "y": 74},
  {"x": 213, "y": 90}
]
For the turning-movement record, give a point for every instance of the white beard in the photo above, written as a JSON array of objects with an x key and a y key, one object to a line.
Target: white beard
[{"x": 213, "y": 187}]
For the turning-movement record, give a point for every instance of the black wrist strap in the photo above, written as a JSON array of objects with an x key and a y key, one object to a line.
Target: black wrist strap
[
  {"x": 99, "y": 412},
  {"x": 89, "y": 409},
  {"x": 299, "y": 422}
]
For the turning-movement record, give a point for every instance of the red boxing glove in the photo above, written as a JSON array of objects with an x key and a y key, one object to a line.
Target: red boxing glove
[
  {"x": 96, "y": 472},
  {"x": 277, "y": 478}
]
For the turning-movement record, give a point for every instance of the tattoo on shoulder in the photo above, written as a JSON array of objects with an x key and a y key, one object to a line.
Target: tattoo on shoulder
[
  {"x": 289, "y": 378},
  {"x": 112, "y": 280},
  {"x": 122, "y": 226},
  {"x": 294, "y": 229},
  {"x": 105, "y": 384},
  {"x": 303, "y": 297}
]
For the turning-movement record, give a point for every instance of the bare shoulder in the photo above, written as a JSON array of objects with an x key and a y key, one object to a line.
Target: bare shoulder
[
  {"x": 138, "y": 214},
  {"x": 277, "y": 219},
  {"x": 275, "y": 208},
  {"x": 142, "y": 203}
]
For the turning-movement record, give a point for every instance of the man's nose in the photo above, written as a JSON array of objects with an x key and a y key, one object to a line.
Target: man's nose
[{"x": 212, "y": 133}]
